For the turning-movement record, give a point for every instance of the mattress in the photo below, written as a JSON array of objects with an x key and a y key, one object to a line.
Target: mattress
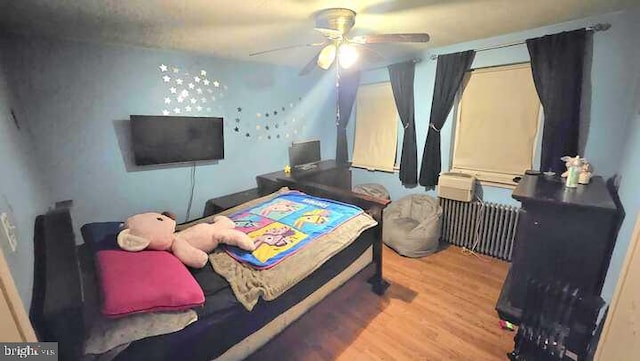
[{"x": 223, "y": 321}]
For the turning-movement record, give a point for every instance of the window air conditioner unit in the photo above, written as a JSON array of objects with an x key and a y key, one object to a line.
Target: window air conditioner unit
[{"x": 456, "y": 186}]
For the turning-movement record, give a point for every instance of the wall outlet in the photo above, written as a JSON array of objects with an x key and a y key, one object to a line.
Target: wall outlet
[{"x": 9, "y": 231}]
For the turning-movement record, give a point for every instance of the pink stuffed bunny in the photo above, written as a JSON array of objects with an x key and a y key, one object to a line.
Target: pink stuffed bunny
[{"x": 156, "y": 231}]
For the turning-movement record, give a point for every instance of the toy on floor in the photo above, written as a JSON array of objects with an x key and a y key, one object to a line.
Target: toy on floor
[
  {"x": 155, "y": 231},
  {"x": 506, "y": 325}
]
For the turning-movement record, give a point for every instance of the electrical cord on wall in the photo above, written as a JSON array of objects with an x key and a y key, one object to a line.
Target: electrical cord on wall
[
  {"x": 193, "y": 187},
  {"x": 472, "y": 251}
]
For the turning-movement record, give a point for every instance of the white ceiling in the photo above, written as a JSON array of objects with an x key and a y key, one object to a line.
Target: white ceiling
[{"x": 235, "y": 28}]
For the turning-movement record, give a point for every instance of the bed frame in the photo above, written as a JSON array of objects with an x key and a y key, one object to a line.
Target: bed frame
[{"x": 70, "y": 320}]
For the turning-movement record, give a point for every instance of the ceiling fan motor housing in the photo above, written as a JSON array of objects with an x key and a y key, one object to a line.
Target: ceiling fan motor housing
[{"x": 338, "y": 19}]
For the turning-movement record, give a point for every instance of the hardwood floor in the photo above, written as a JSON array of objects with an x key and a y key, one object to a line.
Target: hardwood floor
[{"x": 440, "y": 307}]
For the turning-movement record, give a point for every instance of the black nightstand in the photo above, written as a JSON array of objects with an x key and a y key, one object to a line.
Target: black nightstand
[{"x": 217, "y": 205}]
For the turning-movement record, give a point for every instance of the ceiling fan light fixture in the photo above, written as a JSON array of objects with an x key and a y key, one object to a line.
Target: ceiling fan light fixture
[
  {"x": 327, "y": 56},
  {"x": 347, "y": 55}
]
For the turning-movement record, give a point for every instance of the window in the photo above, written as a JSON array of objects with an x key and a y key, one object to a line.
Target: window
[
  {"x": 376, "y": 128},
  {"x": 497, "y": 124}
]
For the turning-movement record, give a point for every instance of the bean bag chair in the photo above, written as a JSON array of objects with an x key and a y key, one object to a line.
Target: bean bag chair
[
  {"x": 411, "y": 225},
  {"x": 373, "y": 190}
]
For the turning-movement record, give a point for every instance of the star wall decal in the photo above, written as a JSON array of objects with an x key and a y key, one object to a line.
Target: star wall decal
[
  {"x": 203, "y": 72},
  {"x": 176, "y": 110},
  {"x": 193, "y": 100},
  {"x": 163, "y": 68},
  {"x": 166, "y": 78},
  {"x": 216, "y": 84},
  {"x": 206, "y": 82},
  {"x": 191, "y": 86},
  {"x": 165, "y": 112},
  {"x": 167, "y": 100},
  {"x": 173, "y": 90},
  {"x": 179, "y": 81},
  {"x": 176, "y": 70},
  {"x": 187, "y": 108}
]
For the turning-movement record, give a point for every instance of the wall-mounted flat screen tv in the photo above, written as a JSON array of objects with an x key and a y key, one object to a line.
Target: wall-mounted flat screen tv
[{"x": 166, "y": 139}]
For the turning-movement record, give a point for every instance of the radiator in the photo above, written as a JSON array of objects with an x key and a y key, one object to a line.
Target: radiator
[{"x": 492, "y": 225}]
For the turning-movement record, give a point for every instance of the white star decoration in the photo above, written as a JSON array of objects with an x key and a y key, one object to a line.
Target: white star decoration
[{"x": 190, "y": 90}]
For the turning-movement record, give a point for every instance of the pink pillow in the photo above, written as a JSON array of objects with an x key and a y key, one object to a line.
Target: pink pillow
[{"x": 145, "y": 281}]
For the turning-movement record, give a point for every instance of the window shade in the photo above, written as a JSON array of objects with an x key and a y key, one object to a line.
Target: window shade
[
  {"x": 498, "y": 121},
  {"x": 376, "y": 133}
]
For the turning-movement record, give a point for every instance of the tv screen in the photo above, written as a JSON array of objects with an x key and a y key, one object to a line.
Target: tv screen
[
  {"x": 165, "y": 139},
  {"x": 304, "y": 153}
]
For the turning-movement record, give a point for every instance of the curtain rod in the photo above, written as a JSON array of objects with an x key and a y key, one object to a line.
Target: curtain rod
[
  {"x": 594, "y": 28},
  {"x": 415, "y": 60}
]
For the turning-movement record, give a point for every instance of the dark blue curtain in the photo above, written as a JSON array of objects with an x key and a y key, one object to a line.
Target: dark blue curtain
[
  {"x": 347, "y": 90},
  {"x": 401, "y": 76},
  {"x": 556, "y": 63},
  {"x": 449, "y": 74}
]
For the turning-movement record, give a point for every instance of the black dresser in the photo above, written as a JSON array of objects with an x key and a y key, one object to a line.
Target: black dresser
[{"x": 563, "y": 235}]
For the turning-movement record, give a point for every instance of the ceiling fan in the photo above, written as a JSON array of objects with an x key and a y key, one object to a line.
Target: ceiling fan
[{"x": 334, "y": 24}]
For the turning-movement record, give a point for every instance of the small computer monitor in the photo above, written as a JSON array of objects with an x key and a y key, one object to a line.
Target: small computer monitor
[{"x": 304, "y": 154}]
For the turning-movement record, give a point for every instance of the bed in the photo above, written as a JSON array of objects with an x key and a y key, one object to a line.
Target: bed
[{"x": 225, "y": 330}]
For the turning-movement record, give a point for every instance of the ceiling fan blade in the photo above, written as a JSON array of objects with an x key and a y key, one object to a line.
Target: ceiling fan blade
[
  {"x": 310, "y": 65},
  {"x": 287, "y": 47},
  {"x": 391, "y": 38}
]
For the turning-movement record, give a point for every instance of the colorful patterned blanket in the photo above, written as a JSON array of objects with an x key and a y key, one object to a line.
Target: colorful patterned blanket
[{"x": 283, "y": 225}]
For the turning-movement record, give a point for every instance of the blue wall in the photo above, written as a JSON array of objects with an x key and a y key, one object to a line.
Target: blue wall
[
  {"x": 22, "y": 194},
  {"x": 629, "y": 170},
  {"x": 77, "y": 97},
  {"x": 606, "y": 110}
]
